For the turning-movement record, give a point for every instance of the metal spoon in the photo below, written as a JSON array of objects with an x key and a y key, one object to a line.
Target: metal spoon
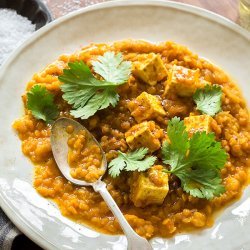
[{"x": 59, "y": 138}]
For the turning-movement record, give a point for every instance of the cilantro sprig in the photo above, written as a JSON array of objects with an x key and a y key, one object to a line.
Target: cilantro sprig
[
  {"x": 208, "y": 99},
  {"x": 133, "y": 161},
  {"x": 41, "y": 104},
  {"x": 112, "y": 67},
  {"x": 196, "y": 161},
  {"x": 86, "y": 93}
]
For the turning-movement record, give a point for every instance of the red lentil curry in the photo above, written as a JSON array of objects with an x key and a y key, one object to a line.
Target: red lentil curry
[
  {"x": 84, "y": 156},
  {"x": 163, "y": 81}
]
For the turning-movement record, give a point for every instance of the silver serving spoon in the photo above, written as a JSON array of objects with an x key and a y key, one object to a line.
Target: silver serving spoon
[{"x": 59, "y": 139}]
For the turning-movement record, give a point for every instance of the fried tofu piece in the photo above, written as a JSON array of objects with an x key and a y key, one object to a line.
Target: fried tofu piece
[
  {"x": 183, "y": 81},
  {"x": 152, "y": 70},
  {"x": 145, "y": 134},
  {"x": 145, "y": 191},
  {"x": 146, "y": 107},
  {"x": 198, "y": 123}
]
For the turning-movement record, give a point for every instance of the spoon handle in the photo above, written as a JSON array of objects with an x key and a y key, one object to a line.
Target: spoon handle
[{"x": 135, "y": 242}]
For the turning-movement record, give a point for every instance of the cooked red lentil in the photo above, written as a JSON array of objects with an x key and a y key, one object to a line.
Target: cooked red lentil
[
  {"x": 179, "y": 211},
  {"x": 84, "y": 157}
]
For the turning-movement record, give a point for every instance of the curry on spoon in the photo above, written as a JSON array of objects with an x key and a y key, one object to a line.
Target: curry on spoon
[{"x": 63, "y": 131}]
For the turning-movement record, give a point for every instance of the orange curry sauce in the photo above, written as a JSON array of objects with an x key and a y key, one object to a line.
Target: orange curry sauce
[{"x": 179, "y": 211}]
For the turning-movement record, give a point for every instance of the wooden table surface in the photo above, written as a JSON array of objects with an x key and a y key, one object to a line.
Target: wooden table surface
[{"x": 226, "y": 8}]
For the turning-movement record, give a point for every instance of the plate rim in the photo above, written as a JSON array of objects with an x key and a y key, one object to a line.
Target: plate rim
[{"x": 12, "y": 215}]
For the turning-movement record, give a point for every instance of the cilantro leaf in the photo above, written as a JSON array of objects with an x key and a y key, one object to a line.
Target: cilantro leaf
[
  {"x": 88, "y": 94},
  {"x": 205, "y": 151},
  {"x": 178, "y": 137},
  {"x": 173, "y": 153},
  {"x": 112, "y": 68},
  {"x": 196, "y": 161},
  {"x": 208, "y": 100},
  {"x": 202, "y": 183},
  {"x": 97, "y": 102},
  {"x": 79, "y": 73},
  {"x": 132, "y": 161},
  {"x": 41, "y": 104}
]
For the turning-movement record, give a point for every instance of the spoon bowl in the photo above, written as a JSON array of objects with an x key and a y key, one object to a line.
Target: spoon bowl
[
  {"x": 60, "y": 148},
  {"x": 59, "y": 139}
]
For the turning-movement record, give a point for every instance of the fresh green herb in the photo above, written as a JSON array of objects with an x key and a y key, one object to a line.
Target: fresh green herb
[
  {"x": 208, "y": 100},
  {"x": 88, "y": 94},
  {"x": 196, "y": 161},
  {"x": 112, "y": 68},
  {"x": 132, "y": 161},
  {"x": 41, "y": 104}
]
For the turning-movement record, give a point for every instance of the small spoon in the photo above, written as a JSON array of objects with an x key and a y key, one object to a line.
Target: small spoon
[{"x": 59, "y": 139}]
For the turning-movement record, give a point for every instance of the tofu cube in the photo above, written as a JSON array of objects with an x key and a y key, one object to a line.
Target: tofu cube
[
  {"x": 146, "y": 107},
  {"x": 145, "y": 134},
  {"x": 183, "y": 81},
  {"x": 143, "y": 191},
  {"x": 198, "y": 123},
  {"x": 151, "y": 70}
]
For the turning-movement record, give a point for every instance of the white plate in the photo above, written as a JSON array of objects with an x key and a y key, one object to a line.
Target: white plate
[{"x": 209, "y": 35}]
